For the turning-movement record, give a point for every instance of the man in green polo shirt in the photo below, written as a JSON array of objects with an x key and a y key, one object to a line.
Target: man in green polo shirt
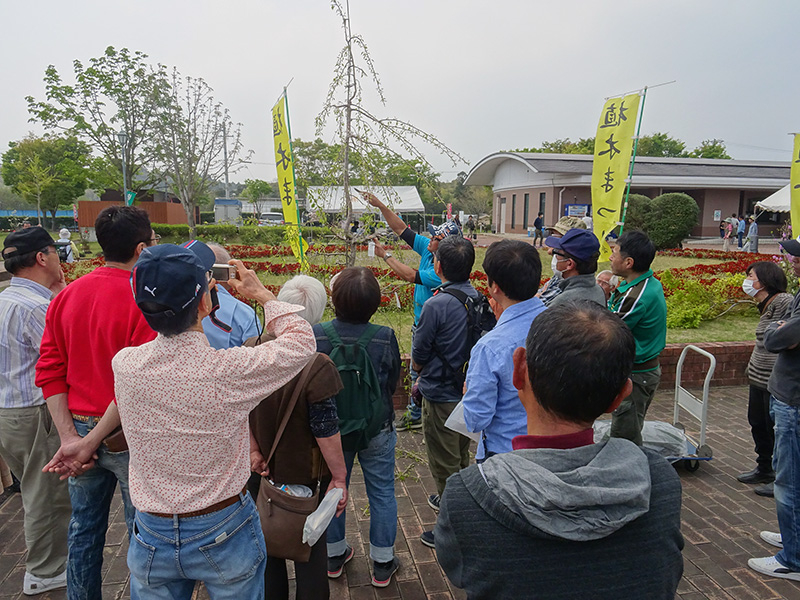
[{"x": 639, "y": 301}]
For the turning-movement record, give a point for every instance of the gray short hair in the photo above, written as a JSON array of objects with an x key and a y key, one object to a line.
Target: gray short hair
[
  {"x": 220, "y": 253},
  {"x": 613, "y": 280},
  {"x": 308, "y": 292}
]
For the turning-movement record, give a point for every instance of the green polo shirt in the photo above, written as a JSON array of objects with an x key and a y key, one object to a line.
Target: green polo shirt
[{"x": 640, "y": 303}]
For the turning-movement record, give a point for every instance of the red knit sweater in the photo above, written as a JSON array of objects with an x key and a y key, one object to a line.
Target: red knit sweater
[{"x": 87, "y": 324}]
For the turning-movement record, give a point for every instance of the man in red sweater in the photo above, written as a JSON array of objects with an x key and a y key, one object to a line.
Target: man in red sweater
[{"x": 86, "y": 325}]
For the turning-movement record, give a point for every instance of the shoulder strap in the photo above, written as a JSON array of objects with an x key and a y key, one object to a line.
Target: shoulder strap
[
  {"x": 368, "y": 334},
  {"x": 458, "y": 295},
  {"x": 330, "y": 331},
  {"x": 287, "y": 413}
]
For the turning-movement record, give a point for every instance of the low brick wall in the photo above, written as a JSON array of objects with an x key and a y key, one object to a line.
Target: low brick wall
[{"x": 732, "y": 359}]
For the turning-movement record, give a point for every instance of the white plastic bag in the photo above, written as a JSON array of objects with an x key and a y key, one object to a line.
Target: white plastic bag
[
  {"x": 318, "y": 521},
  {"x": 457, "y": 423}
]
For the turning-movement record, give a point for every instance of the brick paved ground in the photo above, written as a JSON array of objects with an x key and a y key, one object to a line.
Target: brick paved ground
[{"x": 721, "y": 521}]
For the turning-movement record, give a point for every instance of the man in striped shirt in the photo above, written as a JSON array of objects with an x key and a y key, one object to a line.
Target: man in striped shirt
[
  {"x": 640, "y": 302},
  {"x": 27, "y": 436}
]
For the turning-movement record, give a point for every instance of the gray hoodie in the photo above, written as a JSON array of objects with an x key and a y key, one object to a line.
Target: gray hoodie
[{"x": 598, "y": 521}]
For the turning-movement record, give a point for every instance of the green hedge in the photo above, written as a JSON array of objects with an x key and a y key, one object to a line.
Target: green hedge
[
  {"x": 224, "y": 234},
  {"x": 7, "y": 223}
]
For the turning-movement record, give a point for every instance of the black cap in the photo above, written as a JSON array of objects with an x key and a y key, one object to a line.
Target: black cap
[
  {"x": 791, "y": 246},
  {"x": 27, "y": 240}
]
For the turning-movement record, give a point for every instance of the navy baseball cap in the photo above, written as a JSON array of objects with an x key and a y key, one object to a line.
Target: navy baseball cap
[
  {"x": 791, "y": 246},
  {"x": 171, "y": 276},
  {"x": 445, "y": 229},
  {"x": 580, "y": 243}
]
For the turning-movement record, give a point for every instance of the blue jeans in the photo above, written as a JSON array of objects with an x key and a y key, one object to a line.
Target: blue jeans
[
  {"x": 90, "y": 495},
  {"x": 786, "y": 462},
  {"x": 377, "y": 463},
  {"x": 224, "y": 549}
]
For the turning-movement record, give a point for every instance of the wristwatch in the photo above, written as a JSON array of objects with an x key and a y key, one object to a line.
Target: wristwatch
[{"x": 387, "y": 255}]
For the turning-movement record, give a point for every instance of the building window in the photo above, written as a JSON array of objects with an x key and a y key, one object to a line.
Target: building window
[
  {"x": 525, "y": 210},
  {"x": 513, "y": 210},
  {"x": 542, "y": 198}
]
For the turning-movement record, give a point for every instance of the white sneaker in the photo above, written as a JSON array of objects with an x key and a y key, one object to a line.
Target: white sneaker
[
  {"x": 772, "y": 538},
  {"x": 33, "y": 585},
  {"x": 771, "y": 566}
]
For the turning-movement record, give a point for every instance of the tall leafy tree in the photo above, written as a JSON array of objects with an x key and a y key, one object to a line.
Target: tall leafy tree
[
  {"x": 710, "y": 149},
  {"x": 50, "y": 172},
  {"x": 255, "y": 191},
  {"x": 118, "y": 91},
  {"x": 197, "y": 141}
]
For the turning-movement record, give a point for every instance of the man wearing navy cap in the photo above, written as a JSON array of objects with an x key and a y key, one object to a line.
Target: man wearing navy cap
[
  {"x": 184, "y": 408},
  {"x": 576, "y": 255}
]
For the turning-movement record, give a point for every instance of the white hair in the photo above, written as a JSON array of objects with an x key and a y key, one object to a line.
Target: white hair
[
  {"x": 307, "y": 292},
  {"x": 613, "y": 281},
  {"x": 220, "y": 254}
]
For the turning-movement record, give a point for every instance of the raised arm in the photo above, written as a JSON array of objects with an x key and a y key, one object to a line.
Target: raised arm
[{"x": 392, "y": 219}]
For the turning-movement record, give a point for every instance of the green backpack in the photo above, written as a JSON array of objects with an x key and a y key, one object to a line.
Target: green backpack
[{"x": 360, "y": 403}]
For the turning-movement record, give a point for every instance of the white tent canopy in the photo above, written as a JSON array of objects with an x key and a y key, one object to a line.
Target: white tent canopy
[
  {"x": 780, "y": 201},
  {"x": 401, "y": 198}
]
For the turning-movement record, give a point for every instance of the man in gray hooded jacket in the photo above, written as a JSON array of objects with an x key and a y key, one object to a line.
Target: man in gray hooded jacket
[{"x": 560, "y": 516}]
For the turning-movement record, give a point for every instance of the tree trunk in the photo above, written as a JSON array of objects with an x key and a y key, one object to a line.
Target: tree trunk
[
  {"x": 39, "y": 208},
  {"x": 188, "y": 206},
  {"x": 53, "y": 214}
]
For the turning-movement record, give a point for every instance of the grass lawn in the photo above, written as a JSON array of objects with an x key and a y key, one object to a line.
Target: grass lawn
[{"x": 731, "y": 327}]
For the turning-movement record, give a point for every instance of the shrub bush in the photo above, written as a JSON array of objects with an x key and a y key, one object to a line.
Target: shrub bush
[
  {"x": 638, "y": 207},
  {"x": 670, "y": 219}
]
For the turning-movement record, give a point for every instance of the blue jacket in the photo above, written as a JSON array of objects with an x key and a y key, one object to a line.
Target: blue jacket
[{"x": 442, "y": 330}]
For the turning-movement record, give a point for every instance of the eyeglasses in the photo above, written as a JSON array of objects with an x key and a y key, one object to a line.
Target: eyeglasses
[{"x": 153, "y": 241}]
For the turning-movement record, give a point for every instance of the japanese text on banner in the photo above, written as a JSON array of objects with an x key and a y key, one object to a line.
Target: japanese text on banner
[
  {"x": 286, "y": 182},
  {"x": 612, "y": 156},
  {"x": 794, "y": 187}
]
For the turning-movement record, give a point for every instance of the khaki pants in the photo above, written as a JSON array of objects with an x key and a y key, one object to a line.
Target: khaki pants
[
  {"x": 448, "y": 451},
  {"x": 627, "y": 421},
  {"x": 28, "y": 440}
]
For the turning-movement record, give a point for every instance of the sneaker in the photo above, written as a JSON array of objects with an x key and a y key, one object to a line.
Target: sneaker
[
  {"x": 336, "y": 563},
  {"x": 408, "y": 422},
  {"x": 771, "y": 566},
  {"x": 772, "y": 538},
  {"x": 757, "y": 475},
  {"x": 433, "y": 501},
  {"x": 427, "y": 539},
  {"x": 33, "y": 585},
  {"x": 382, "y": 572},
  {"x": 767, "y": 490}
]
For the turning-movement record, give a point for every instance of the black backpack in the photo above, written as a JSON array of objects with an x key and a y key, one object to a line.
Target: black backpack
[
  {"x": 480, "y": 321},
  {"x": 360, "y": 404}
]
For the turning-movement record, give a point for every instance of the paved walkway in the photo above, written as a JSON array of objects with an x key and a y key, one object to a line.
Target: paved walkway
[{"x": 721, "y": 521}]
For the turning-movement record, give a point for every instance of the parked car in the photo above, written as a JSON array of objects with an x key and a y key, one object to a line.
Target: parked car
[{"x": 270, "y": 219}]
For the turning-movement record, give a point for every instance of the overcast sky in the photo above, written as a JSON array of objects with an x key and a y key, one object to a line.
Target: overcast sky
[{"x": 482, "y": 76}]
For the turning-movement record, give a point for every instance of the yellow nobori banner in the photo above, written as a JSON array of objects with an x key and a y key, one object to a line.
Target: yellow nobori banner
[
  {"x": 612, "y": 156},
  {"x": 284, "y": 163},
  {"x": 794, "y": 187}
]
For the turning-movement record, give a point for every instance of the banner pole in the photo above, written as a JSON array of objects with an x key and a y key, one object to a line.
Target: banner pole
[
  {"x": 633, "y": 161},
  {"x": 294, "y": 178}
]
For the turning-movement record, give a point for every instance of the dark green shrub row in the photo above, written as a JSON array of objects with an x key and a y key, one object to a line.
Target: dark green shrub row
[
  {"x": 668, "y": 219},
  {"x": 8, "y": 222},
  {"x": 230, "y": 233}
]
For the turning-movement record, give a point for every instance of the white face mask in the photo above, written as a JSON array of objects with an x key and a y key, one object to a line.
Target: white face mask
[
  {"x": 554, "y": 265},
  {"x": 749, "y": 288}
]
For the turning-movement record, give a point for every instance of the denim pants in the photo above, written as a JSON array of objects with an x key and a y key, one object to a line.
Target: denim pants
[
  {"x": 90, "y": 495},
  {"x": 786, "y": 462},
  {"x": 377, "y": 463},
  {"x": 224, "y": 549}
]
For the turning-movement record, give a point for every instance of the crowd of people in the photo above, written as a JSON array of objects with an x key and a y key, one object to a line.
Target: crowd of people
[{"x": 148, "y": 374}]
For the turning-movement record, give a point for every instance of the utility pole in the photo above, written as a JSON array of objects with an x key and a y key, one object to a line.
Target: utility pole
[
  {"x": 225, "y": 156},
  {"x": 123, "y": 141}
]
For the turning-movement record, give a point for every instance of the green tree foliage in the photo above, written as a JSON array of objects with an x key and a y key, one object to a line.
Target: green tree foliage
[
  {"x": 710, "y": 149},
  {"x": 50, "y": 172},
  {"x": 657, "y": 144},
  {"x": 255, "y": 191},
  {"x": 9, "y": 200},
  {"x": 670, "y": 218},
  {"x": 118, "y": 91}
]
